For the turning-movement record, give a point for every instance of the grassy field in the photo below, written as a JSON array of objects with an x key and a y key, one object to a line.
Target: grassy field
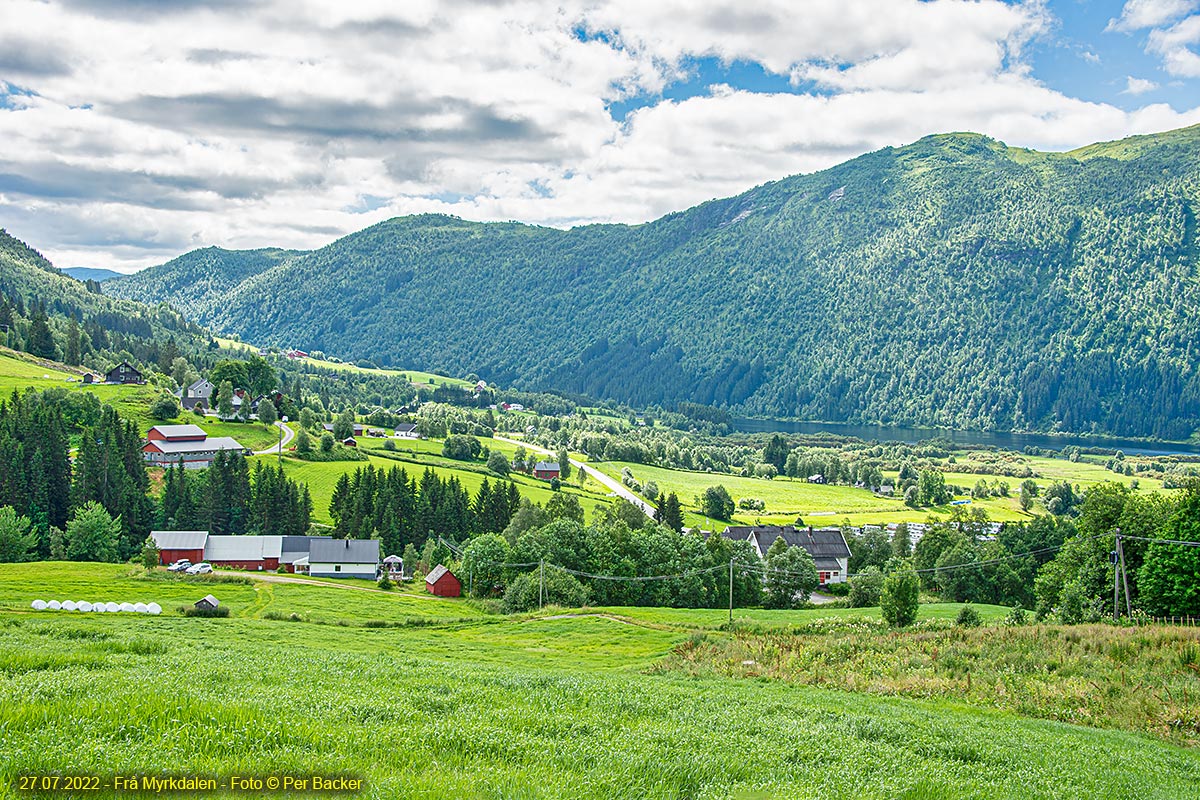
[
  {"x": 541, "y": 707},
  {"x": 705, "y": 619},
  {"x": 414, "y": 376},
  {"x": 322, "y": 477}
]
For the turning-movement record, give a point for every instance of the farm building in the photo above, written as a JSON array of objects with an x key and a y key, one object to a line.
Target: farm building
[
  {"x": 257, "y": 553},
  {"x": 207, "y": 603},
  {"x": 394, "y": 565},
  {"x": 358, "y": 428},
  {"x": 344, "y": 558},
  {"x": 827, "y": 546},
  {"x": 168, "y": 445},
  {"x": 406, "y": 430},
  {"x": 174, "y": 545},
  {"x": 124, "y": 373},
  {"x": 349, "y": 442},
  {"x": 546, "y": 470},
  {"x": 442, "y": 582},
  {"x": 91, "y": 377},
  {"x": 294, "y": 548},
  {"x": 198, "y": 394}
]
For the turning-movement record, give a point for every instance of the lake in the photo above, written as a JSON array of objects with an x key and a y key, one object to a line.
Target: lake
[{"x": 1000, "y": 439}]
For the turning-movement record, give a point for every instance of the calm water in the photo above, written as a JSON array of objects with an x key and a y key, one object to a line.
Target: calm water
[{"x": 1007, "y": 441}]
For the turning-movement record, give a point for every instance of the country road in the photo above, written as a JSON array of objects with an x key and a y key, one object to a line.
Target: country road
[
  {"x": 288, "y": 434},
  {"x": 615, "y": 486}
]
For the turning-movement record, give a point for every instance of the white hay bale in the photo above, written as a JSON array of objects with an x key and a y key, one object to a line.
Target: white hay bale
[
  {"x": 112, "y": 608},
  {"x": 153, "y": 608},
  {"x": 39, "y": 605},
  {"x": 83, "y": 605},
  {"x": 54, "y": 605},
  {"x": 140, "y": 608},
  {"x": 68, "y": 605},
  {"x": 127, "y": 608}
]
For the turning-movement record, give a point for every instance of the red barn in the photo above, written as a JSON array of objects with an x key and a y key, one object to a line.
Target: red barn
[
  {"x": 260, "y": 553},
  {"x": 546, "y": 470},
  {"x": 441, "y": 582},
  {"x": 174, "y": 545}
]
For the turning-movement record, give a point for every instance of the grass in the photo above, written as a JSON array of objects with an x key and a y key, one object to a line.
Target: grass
[
  {"x": 322, "y": 477},
  {"x": 512, "y": 707},
  {"x": 414, "y": 376},
  {"x": 21, "y": 584},
  {"x": 1102, "y": 676},
  {"x": 706, "y": 619}
]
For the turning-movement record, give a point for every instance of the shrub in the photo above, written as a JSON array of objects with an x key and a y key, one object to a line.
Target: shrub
[
  {"x": 1016, "y": 617},
  {"x": 192, "y": 611},
  {"x": 150, "y": 557},
  {"x": 898, "y": 599},
  {"x": 751, "y": 504},
  {"x": 865, "y": 588},
  {"x": 968, "y": 616},
  {"x": 562, "y": 589},
  {"x": 390, "y": 444},
  {"x": 385, "y": 582},
  {"x": 165, "y": 407}
]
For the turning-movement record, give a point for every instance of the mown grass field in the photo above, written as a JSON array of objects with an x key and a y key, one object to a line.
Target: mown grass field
[
  {"x": 413, "y": 375},
  {"x": 522, "y": 707}
]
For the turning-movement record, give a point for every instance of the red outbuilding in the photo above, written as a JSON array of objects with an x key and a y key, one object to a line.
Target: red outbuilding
[
  {"x": 174, "y": 545},
  {"x": 441, "y": 582}
]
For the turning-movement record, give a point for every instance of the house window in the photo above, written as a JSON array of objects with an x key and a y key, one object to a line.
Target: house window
[{"x": 337, "y": 567}]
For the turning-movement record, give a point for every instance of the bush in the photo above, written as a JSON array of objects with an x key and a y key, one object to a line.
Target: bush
[
  {"x": 165, "y": 407},
  {"x": 898, "y": 599},
  {"x": 385, "y": 582},
  {"x": 751, "y": 504},
  {"x": 150, "y": 557},
  {"x": 968, "y": 616},
  {"x": 390, "y": 444},
  {"x": 562, "y": 589},
  {"x": 213, "y": 613},
  {"x": 1016, "y": 617},
  {"x": 326, "y": 442},
  {"x": 836, "y": 589},
  {"x": 866, "y": 588},
  {"x": 498, "y": 463}
]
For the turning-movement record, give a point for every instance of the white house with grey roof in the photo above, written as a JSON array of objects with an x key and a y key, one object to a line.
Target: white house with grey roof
[
  {"x": 344, "y": 558},
  {"x": 827, "y": 546}
]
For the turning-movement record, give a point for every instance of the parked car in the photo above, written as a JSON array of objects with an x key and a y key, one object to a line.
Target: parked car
[
  {"x": 180, "y": 565},
  {"x": 199, "y": 569}
]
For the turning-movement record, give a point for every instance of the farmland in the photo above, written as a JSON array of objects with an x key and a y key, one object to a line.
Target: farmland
[{"x": 535, "y": 706}]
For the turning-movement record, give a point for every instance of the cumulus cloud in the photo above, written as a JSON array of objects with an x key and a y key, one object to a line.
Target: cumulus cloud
[
  {"x": 1141, "y": 14},
  {"x": 150, "y": 128},
  {"x": 1138, "y": 85},
  {"x": 1174, "y": 29}
]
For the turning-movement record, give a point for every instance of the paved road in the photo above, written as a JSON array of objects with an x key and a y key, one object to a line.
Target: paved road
[
  {"x": 288, "y": 433},
  {"x": 615, "y": 486}
]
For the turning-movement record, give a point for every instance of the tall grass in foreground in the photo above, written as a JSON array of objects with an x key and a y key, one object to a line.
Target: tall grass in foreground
[
  {"x": 1139, "y": 679},
  {"x": 523, "y": 708}
]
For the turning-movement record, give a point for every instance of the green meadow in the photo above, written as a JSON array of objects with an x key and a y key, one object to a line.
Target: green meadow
[{"x": 538, "y": 706}]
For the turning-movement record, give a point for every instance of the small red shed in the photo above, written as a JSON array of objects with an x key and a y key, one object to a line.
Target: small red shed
[{"x": 441, "y": 582}]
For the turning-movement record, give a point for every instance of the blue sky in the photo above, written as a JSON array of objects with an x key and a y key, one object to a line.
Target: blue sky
[{"x": 136, "y": 131}]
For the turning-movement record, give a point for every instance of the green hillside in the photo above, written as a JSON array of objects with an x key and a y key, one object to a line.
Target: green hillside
[{"x": 951, "y": 282}]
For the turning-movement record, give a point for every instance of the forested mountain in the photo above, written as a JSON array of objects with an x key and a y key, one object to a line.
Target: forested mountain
[
  {"x": 954, "y": 281},
  {"x": 193, "y": 281},
  {"x": 52, "y": 316},
  {"x": 90, "y": 274}
]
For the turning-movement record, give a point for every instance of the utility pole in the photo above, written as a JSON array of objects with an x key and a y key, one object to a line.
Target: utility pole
[
  {"x": 730, "y": 591},
  {"x": 1116, "y": 576},
  {"x": 541, "y": 583},
  {"x": 1124, "y": 577}
]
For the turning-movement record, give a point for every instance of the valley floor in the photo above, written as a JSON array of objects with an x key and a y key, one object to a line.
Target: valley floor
[{"x": 452, "y": 702}]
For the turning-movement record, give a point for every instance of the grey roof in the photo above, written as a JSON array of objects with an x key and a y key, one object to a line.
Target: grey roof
[
  {"x": 296, "y": 547},
  {"x": 213, "y": 445},
  {"x": 242, "y": 548},
  {"x": 179, "y": 540},
  {"x": 201, "y": 388},
  {"x": 547, "y": 465},
  {"x": 208, "y": 598},
  {"x": 179, "y": 430},
  {"x": 828, "y": 564},
  {"x": 393, "y": 560},
  {"x": 819, "y": 542},
  {"x": 405, "y": 427},
  {"x": 344, "y": 551},
  {"x": 435, "y": 574}
]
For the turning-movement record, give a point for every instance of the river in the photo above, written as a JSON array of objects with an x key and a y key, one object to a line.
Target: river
[{"x": 1001, "y": 439}]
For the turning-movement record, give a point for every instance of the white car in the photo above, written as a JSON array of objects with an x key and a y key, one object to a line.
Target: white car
[
  {"x": 199, "y": 569},
  {"x": 179, "y": 566}
]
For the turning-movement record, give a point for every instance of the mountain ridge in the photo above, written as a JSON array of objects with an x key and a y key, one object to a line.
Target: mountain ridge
[{"x": 951, "y": 282}]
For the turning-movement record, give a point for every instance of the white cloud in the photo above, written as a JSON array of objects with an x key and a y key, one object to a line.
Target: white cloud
[
  {"x": 1141, "y": 14},
  {"x": 1138, "y": 85},
  {"x": 247, "y": 125}
]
